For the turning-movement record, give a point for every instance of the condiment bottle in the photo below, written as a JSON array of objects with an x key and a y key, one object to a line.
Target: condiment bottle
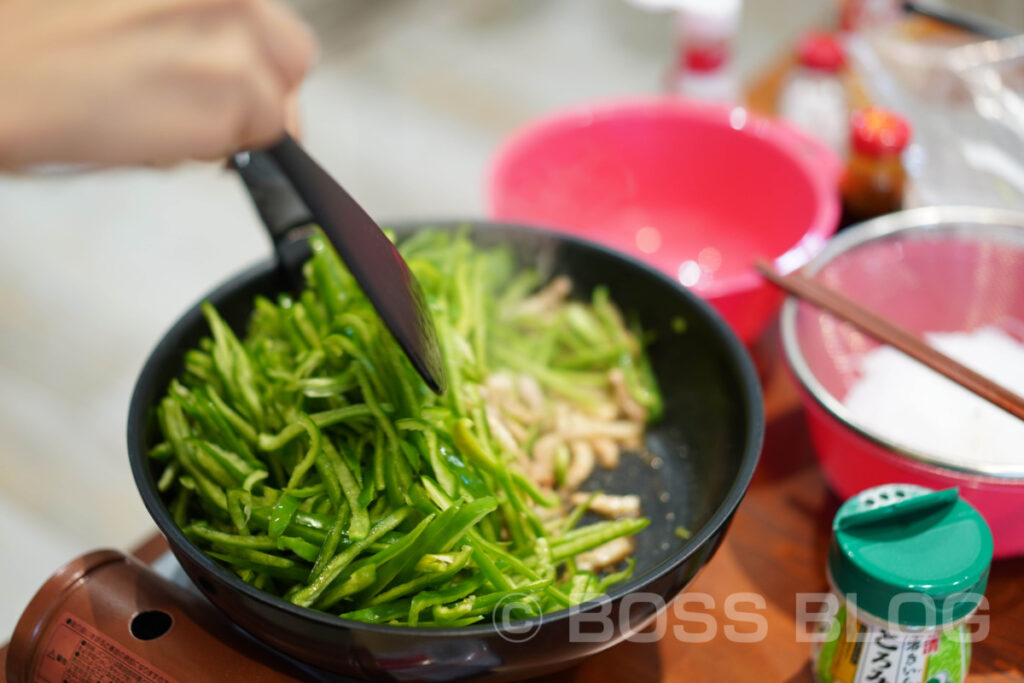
[
  {"x": 874, "y": 179},
  {"x": 909, "y": 566},
  {"x": 705, "y": 30},
  {"x": 814, "y": 97}
]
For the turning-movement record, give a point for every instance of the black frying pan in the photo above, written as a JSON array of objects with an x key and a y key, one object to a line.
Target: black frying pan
[{"x": 705, "y": 450}]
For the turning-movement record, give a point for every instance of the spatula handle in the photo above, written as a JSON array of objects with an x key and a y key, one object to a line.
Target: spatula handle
[{"x": 277, "y": 203}]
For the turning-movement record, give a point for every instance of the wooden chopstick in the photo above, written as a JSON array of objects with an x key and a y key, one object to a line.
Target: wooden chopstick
[{"x": 889, "y": 333}]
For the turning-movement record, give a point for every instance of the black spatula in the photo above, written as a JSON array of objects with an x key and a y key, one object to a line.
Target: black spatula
[{"x": 371, "y": 257}]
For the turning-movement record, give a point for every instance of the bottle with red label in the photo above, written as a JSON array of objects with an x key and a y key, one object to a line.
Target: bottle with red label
[
  {"x": 705, "y": 30},
  {"x": 874, "y": 181},
  {"x": 813, "y": 97}
]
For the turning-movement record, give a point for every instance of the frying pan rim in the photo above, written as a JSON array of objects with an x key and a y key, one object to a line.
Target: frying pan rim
[{"x": 746, "y": 374}]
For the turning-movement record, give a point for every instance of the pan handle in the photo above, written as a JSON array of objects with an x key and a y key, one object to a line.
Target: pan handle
[{"x": 283, "y": 213}]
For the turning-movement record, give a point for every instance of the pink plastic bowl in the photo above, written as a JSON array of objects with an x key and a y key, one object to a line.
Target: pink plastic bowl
[
  {"x": 698, "y": 191},
  {"x": 933, "y": 269}
]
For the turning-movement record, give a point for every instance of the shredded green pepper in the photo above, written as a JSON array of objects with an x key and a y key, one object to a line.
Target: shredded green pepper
[{"x": 308, "y": 457}]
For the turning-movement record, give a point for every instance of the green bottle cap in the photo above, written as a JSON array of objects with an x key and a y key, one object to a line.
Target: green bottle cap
[{"x": 910, "y": 556}]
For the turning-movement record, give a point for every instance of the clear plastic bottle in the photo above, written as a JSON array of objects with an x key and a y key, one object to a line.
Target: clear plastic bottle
[
  {"x": 813, "y": 97},
  {"x": 705, "y": 30}
]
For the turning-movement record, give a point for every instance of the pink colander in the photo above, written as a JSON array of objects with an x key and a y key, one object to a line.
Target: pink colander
[
  {"x": 936, "y": 269},
  {"x": 696, "y": 190}
]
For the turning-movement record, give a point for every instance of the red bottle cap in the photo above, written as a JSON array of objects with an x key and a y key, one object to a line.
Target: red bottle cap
[
  {"x": 821, "y": 51},
  {"x": 705, "y": 58},
  {"x": 877, "y": 132}
]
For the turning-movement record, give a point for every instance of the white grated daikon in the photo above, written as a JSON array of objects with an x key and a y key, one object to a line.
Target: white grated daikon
[{"x": 903, "y": 401}]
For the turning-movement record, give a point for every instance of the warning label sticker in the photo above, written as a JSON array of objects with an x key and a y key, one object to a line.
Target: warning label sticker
[{"x": 78, "y": 653}]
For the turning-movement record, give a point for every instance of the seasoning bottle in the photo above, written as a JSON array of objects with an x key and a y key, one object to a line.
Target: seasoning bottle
[
  {"x": 705, "y": 30},
  {"x": 813, "y": 97},
  {"x": 909, "y": 566},
  {"x": 874, "y": 179}
]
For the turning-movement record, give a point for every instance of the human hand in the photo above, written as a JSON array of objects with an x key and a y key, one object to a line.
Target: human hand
[{"x": 145, "y": 81}]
